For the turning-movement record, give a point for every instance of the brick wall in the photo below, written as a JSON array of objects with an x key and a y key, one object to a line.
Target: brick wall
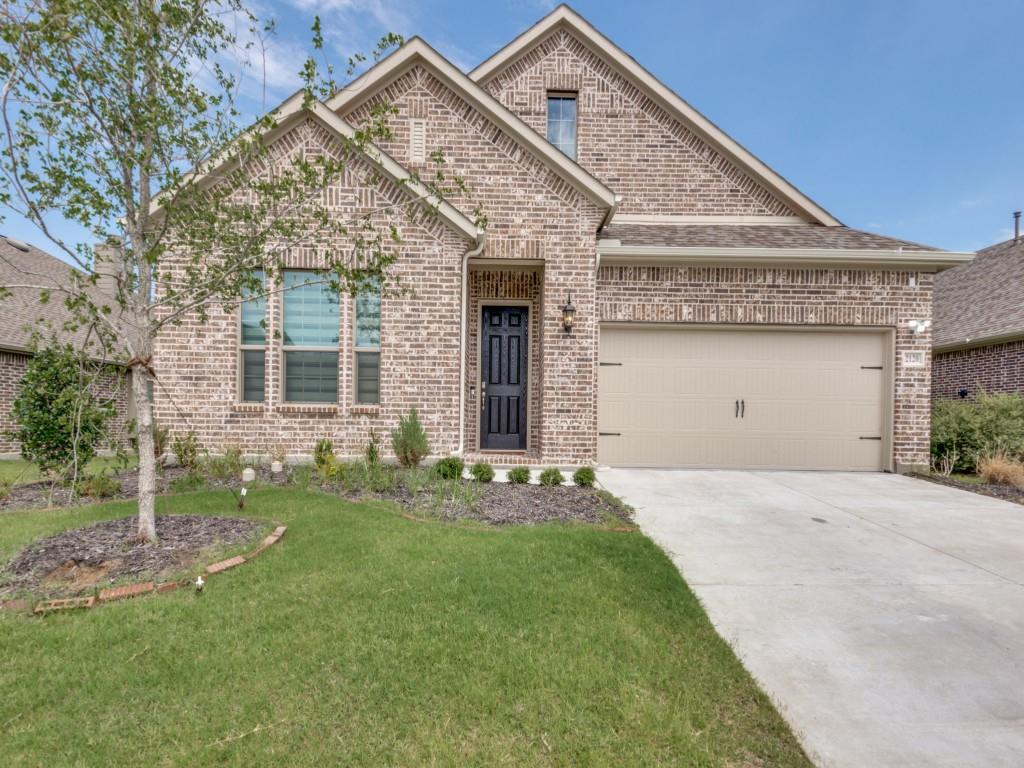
[
  {"x": 765, "y": 296},
  {"x": 533, "y": 216},
  {"x": 625, "y": 139},
  {"x": 994, "y": 368},
  {"x": 112, "y": 388},
  {"x": 197, "y": 362}
]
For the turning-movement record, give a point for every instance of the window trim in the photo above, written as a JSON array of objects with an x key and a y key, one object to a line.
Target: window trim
[
  {"x": 561, "y": 94},
  {"x": 283, "y": 349},
  {"x": 241, "y": 349},
  {"x": 357, "y": 349}
]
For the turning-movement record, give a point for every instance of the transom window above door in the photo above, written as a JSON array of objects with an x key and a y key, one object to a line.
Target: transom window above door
[
  {"x": 309, "y": 338},
  {"x": 562, "y": 122}
]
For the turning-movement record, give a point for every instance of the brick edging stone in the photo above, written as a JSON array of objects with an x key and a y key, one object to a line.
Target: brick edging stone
[{"x": 129, "y": 591}]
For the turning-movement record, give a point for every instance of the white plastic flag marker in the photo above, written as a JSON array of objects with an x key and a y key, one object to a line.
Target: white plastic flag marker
[{"x": 199, "y": 583}]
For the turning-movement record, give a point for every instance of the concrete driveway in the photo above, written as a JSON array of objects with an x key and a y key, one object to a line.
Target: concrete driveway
[{"x": 884, "y": 615}]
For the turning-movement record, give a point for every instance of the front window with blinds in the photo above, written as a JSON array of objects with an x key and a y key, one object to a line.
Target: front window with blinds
[
  {"x": 253, "y": 345},
  {"x": 309, "y": 337},
  {"x": 562, "y": 122},
  {"x": 367, "y": 345}
]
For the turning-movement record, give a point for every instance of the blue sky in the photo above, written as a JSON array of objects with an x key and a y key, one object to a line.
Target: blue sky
[{"x": 899, "y": 116}]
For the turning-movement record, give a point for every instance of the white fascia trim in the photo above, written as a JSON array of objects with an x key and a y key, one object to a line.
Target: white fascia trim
[
  {"x": 661, "y": 94},
  {"x": 611, "y": 252},
  {"x": 293, "y": 109},
  {"x": 644, "y": 218},
  {"x": 416, "y": 50}
]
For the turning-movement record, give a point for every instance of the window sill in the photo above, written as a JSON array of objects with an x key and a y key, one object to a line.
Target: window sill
[
  {"x": 364, "y": 410},
  {"x": 249, "y": 407},
  {"x": 324, "y": 408}
]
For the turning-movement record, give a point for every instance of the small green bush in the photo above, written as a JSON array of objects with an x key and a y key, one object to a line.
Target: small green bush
[
  {"x": 323, "y": 452},
  {"x": 584, "y": 477},
  {"x": 482, "y": 472},
  {"x": 409, "y": 440},
  {"x": 186, "y": 450},
  {"x": 551, "y": 476},
  {"x": 227, "y": 466},
  {"x": 328, "y": 469},
  {"x": 193, "y": 481},
  {"x": 6, "y": 484},
  {"x": 372, "y": 451},
  {"x": 963, "y": 430},
  {"x": 99, "y": 486},
  {"x": 450, "y": 468},
  {"x": 161, "y": 435},
  {"x": 60, "y": 420},
  {"x": 519, "y": 475}
]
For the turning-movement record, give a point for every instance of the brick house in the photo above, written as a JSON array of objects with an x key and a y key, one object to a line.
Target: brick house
[
  {"x": 22, "y": 314},
  {"x": 719, "y": 316},
  {"x": 978, "y": 340}
]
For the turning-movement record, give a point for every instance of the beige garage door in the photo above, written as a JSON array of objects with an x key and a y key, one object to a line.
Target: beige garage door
[{"x": 768, "y": 399}]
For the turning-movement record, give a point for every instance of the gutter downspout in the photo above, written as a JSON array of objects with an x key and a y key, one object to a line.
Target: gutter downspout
[
  {"x": 616, "y": 202},
  {"x": 481, "y": 239}
]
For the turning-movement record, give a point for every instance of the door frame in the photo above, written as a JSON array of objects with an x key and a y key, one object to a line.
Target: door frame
[
  {"x": 888, "y": 380},
  {"x": 481, "y": 303}
]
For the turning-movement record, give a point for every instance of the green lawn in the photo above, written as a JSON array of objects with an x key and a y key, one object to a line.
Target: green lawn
[
  {"x": 367, "y": 639},
  {"x": 21, "y": 471}
]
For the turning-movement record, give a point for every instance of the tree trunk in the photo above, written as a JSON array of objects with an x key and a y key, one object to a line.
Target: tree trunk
[{"x": 147, "y": 459}]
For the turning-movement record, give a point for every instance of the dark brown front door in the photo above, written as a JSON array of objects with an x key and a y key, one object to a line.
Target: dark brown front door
[{"x": 503, "y": 378}]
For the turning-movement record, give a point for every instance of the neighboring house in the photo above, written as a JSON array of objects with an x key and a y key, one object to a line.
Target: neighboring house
[
  {"x": 22, "y": 314},
  {"x": 721, "y": 317},
  {"x": 978, "y": 341}
]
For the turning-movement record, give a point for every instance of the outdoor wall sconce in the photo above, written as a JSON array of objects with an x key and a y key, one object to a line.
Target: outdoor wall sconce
[
  {"x": 919, "y": 326},
  {"x": 568, "y": 315}
]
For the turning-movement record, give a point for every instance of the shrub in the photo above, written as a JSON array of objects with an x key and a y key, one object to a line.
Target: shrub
[
  {"x": 328, "y": 469},
  {"x": 227, "y": 466},
  {"x": 450, "y": 468},
  {"x": 482, "y": 472},
  {"x": 998, "y": 468},
  {"x": 192, "y": 481},
  {"x": 519, "y": 475},
  {"x": 6, "y": 485},
  {"x": 99, "y": 486},
  {"x": 160, "y": 437},
  {"x": 409, "y": 440},
  {"x": 963, "y": 430},
  {"x": 186, "y": 450},
  {"x": 551, "y": 476},
  {"x": 372, "y": 451},
  {"x": 323, "y": 452},
  {"x": 60, "y": 420},
  {"x": 584, "y": 477}
]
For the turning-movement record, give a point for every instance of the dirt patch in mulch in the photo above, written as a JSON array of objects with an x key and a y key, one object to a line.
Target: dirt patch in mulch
[
  {"x": 1004, "y": 492},
  {"x": 97, "y": 555}
]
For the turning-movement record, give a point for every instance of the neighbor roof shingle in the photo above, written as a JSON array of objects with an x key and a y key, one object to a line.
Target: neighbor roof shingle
[
  {"x": 754, "y": 236},
  {"x": 982, "y": 299},
  {"x": 22, "y": 312}
]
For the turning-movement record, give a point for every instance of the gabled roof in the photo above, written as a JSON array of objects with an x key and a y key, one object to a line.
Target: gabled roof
[
  {"x": 416, "y": 51},
  {"x": 565, "y": 17},
  {"x": 291, "y": 111},
  {"x": 22, "y": 312},
  {"x": 982, "y": 301}
]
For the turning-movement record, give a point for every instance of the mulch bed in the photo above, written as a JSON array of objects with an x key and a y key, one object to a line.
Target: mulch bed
[
  {"x": 507, "y": 504},
  {"x": 85, "y": 558},
  {"x": 1004, "y": 492}
]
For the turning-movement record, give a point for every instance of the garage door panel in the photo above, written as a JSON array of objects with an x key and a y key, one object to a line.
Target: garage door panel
[{"x": 668, "y": 398}]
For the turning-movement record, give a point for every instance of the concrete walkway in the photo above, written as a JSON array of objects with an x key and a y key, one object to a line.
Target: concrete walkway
[{"x": 884, "y": 615}]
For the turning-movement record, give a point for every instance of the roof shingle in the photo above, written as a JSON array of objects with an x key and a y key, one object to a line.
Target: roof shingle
[
  {"x": 982, "y": 299},
  {"x": 755, "y": 236}
]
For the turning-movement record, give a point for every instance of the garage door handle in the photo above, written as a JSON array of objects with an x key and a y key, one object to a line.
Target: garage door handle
[
  {"x": 869, "y": 438},
  {"x": 737, "y": 414},
  {"x": 743, "y": 409}
]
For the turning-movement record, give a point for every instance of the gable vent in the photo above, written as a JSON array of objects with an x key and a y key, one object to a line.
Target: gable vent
[{"x": 417, "y": 141}]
